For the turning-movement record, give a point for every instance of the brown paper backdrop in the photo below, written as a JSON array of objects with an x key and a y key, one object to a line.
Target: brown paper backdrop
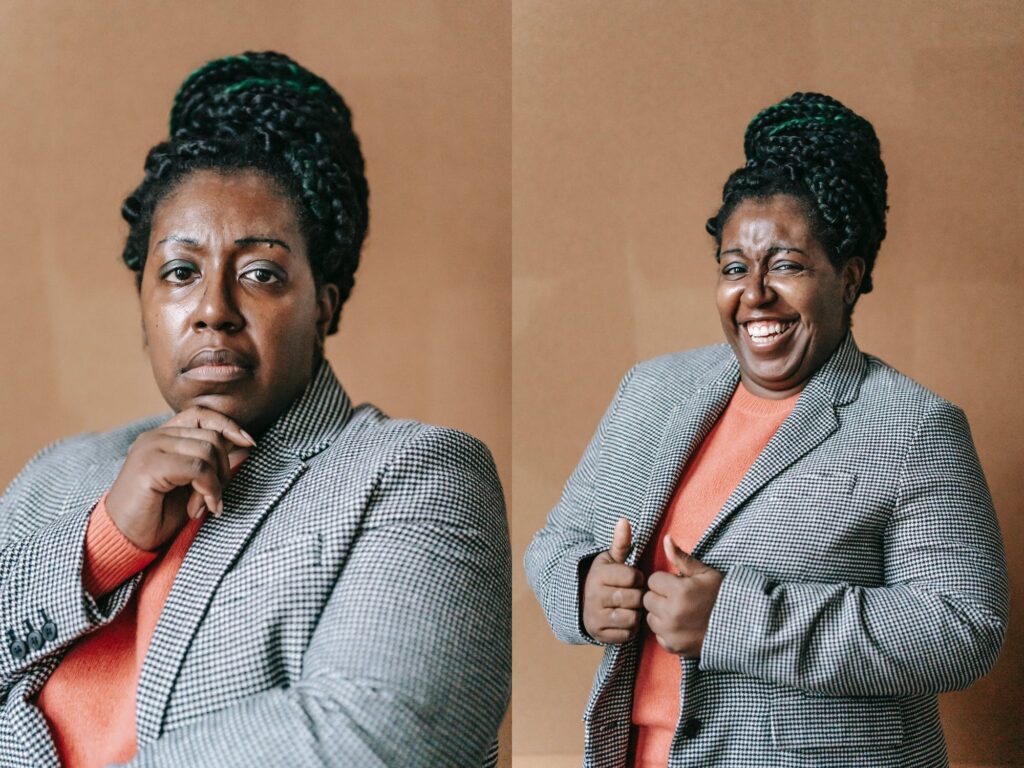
[
  {"x": 85, "y": 89},
  {"x": 627, "y": 119}
]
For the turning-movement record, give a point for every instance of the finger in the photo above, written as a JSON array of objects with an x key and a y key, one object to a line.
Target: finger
[
  {"x": 206, "y": 418},
  {"x": 654, "y": 623},
  {"x": 618, "y": 575},
  {"x": 180, "y": 470},
  {"x": 195, "y": 506},
  {"x": 670, "y": 647},
  {"x": 617, "y": 636},
  {"x": 684, "y": 563},
  {"x": 627, "y": 598},
  {"x": 210, "y": 436},
  {"x": 654, "y": 603},
  {"x": 621, "y": 541},
  {"x": 661, "y": 583},
  {"x": 211, "y": 452},
  {"x": 620, "y": 618}
]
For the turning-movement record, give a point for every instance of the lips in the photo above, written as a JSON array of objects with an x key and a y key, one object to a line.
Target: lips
[
  {"x": 218, "y": 370},
  {"x": 218, "y": 357}
]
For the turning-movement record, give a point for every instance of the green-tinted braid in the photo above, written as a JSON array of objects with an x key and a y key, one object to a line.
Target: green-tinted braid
[
  {"x": 197, "y": 72},
  {"x": 295, "y": 85},
  {"x": 838, "y": 114},
  {"x": 812, "y": 147},
  {"x": 801, "y": 120}
]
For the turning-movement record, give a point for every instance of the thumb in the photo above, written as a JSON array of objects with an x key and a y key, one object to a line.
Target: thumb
[
  {"x": 683, "y": 563},
  {"x": 621, "y": 541}
]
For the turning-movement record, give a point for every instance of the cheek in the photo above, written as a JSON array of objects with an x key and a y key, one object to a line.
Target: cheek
[
  {"x": 727, "y": 299},
  {"x": 290, "y": 330}
]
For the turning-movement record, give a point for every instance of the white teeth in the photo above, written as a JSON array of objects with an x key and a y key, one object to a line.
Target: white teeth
[{"x": 762, "y": 329}]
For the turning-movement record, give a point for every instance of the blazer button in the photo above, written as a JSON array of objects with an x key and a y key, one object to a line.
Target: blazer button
[
  {"x": 17, "y": 648},
  {"x": 34, "y": 637},
  {"x": 691, "y": 728},
  {"x": 49, "y": 629}
]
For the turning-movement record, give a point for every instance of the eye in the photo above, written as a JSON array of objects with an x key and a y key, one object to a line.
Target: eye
[
  {"x": 734, "y": 268},
  {"x": 787, "y": 266},
  {"x": 263, "y": 273},
  {"x": 178, "y": 271}
]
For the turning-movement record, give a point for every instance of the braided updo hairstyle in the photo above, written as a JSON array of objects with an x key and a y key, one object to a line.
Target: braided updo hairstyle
[
  {"x": 816, "y": 149},
  {"x": 264, "y": 112}
]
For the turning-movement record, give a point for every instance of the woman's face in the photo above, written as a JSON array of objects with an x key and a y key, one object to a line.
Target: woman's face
[
  {"x": 230, "y": 312},
  {"x": 783, "y": 306}
]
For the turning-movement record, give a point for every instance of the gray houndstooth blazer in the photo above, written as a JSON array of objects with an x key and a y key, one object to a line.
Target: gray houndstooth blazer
[
  {"x": 864, "y": 569},
  {"x": 352, "y": 606}
]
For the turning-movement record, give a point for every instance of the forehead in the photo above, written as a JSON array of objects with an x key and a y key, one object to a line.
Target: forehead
[
  {"x": 240, "y": 203},
  {"x": 759, "y": 221}
]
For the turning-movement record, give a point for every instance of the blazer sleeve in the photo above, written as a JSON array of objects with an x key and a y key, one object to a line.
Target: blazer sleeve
[
  {"x": 43, "y": 604},
  {"x": 410, "y": 663},
  {"x": 935, "y": 626},
  {"x": 566, "y": 543}
]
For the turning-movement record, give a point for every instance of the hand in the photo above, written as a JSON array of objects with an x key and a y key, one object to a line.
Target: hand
[
  {"x": 175, "y": 472},
  {"x": 612, "y": 593},
  {"x": 679, "y": 606}
]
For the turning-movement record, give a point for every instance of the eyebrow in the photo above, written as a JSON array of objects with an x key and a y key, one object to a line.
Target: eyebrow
[
  {"x": 266, "y": 240},
  {"x": 241, "y": 241},
  {"x": 179, "y": 239},
  {"x": 772, "y": 249}
]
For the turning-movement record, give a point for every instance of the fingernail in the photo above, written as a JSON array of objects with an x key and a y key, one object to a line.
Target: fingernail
[
  {"x": 248, "y": 437},
  {"x": 220, "y": 507}
]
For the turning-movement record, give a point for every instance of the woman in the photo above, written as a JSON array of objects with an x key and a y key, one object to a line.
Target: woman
[
  {"x": 786, "y": 547},
  {"x": 270, "y": 576}
]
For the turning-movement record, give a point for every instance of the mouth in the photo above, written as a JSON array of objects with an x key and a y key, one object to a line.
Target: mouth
[
  {"x": 218, "y": 365},
  {"x": 765, "y": 334}
]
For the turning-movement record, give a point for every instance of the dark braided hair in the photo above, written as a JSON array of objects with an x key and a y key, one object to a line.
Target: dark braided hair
[
  {"x": 812, "y": 147},
  {"x": 264, "y": 112}
]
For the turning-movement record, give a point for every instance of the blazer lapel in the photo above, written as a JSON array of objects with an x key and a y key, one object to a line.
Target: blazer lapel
[
  {"x": 686, "y": 427},
  {"x": 812, "y": 420},
  {"x": 309, "y": 426}
]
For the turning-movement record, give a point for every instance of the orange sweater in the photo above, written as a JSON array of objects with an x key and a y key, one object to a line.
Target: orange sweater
[
  {"x": 718, "y": 466},
  {"x": 89, "y": 700}
]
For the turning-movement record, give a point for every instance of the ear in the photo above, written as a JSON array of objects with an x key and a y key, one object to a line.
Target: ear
[
  {"x": 852, "y": 276},
  {"x": 327, "y": 298}
]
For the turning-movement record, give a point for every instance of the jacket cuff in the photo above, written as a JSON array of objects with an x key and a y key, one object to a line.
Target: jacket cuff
[
  {"x": 728, "y": 635},
  {"x": 110, "y": 557},
  {"x": 566, "y": 589}
]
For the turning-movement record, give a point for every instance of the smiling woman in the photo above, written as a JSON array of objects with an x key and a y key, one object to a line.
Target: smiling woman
[
  {"x": 784, "y": 307},
  {"x": 786, "y": 547},
  {"x": 270, "y": 575}
]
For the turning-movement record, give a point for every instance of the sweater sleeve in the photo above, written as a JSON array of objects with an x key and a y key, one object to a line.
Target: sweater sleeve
[{"x": 110, "y": 557}]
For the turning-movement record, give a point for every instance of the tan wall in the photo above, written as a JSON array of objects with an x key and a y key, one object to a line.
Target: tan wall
[
  {"x": 627, "y": 119},
  {"x": 85, "y": 90}
]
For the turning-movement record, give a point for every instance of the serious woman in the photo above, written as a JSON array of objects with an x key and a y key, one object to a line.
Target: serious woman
[
  {"x": 786, "y": 547},
  {"x": 268, "y": 576}
]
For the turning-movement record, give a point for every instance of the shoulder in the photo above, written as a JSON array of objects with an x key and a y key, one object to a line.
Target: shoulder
[
  {"x": 408, "y": 457},
  {"x": 673, "y": 377},
  {"x": 60, "y": 471},
  {"x": 889, "y": 391},
  {"x": 71, "y": 455},
  {"x": 688, "y": 367},
  {"x": 377, "y": 438}
]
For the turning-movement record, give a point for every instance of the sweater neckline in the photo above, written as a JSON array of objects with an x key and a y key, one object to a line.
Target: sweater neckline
[{"x": 746, "y": 402}]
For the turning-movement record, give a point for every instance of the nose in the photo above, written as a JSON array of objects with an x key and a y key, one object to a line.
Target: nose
[
  {"x": 757, "y": 289},
  {"x": 217, "y": 307}
]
